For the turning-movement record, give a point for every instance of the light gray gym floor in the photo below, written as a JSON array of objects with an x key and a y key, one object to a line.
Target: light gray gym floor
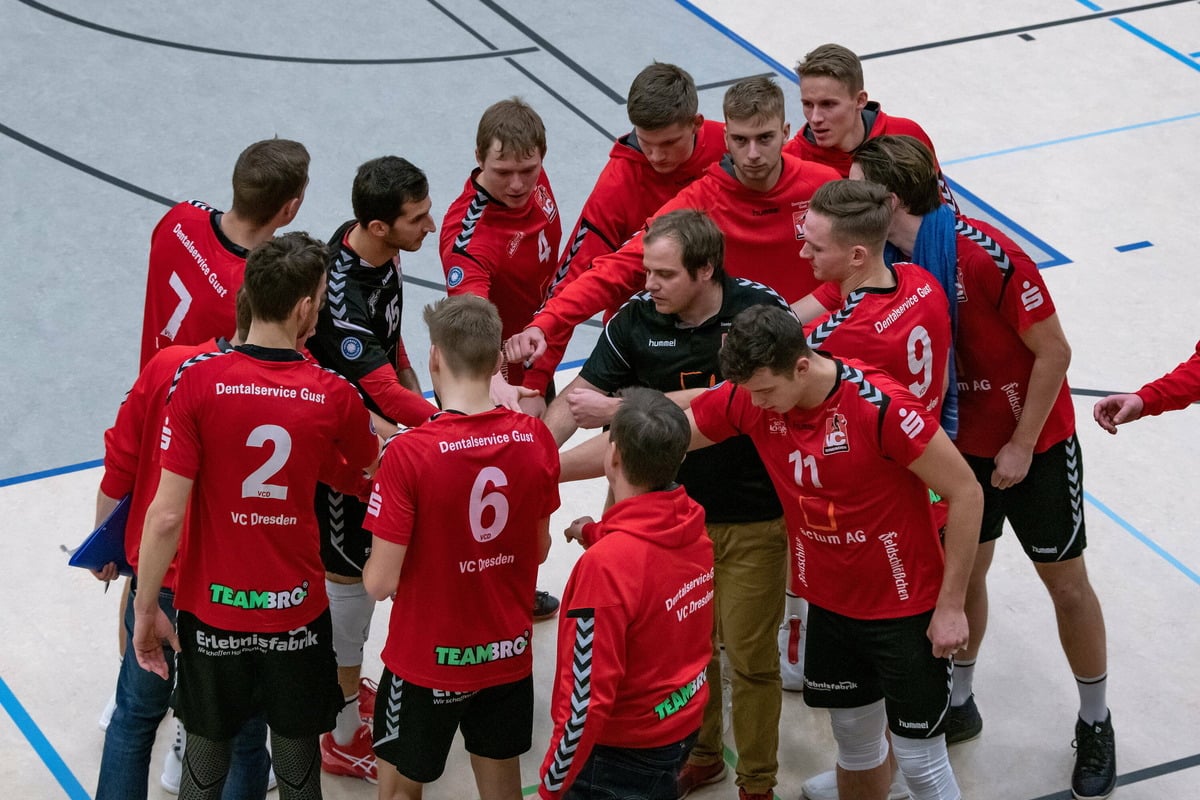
[{"x": 1075, "y": 127}]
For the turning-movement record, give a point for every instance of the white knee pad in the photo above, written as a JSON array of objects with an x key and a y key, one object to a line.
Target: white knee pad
[
  {"x": 350, "y": 608},
  {"x": 859, "y": 734},
  {"x": 926, "y": 767}
]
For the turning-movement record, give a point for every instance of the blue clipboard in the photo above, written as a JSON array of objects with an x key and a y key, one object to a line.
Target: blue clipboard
[{"x": 106, "y": 544}]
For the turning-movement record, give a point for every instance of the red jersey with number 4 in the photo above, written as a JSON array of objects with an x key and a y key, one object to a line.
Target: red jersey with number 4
[
  {"x": 506, "y": 255},
  {"x": 194, "y": 274},
  {"x": 253, "y": 428},
  {"x": 860, "y": 530},
  {"x": 1000, "y": 295},
  {"x": 904, "y": 331},
  {"x": 764, "y": 233},
  {"x": 465, "y": 494}
]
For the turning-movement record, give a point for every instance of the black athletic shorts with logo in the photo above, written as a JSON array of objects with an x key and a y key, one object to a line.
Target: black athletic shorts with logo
[
  {"x": 344, "y": 544},
  {"x": 849, "y": 663},
  {"x": 415, "y": 725},
  {"x": 227, "y": 677},
  {"x": 1045, "y": 510}
]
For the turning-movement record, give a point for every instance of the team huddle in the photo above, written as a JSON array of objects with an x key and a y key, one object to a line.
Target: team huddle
[{"x": 870, "y": 384}]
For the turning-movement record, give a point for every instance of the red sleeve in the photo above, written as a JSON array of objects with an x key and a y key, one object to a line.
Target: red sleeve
[
  {"x": 357, "y": 443},
  {"x": 397, "y": 403},
  {"x": 465, "y": 275},
  {"x": 591, "y": 665},
  {"x": 402, "y": 361},
  {"x": 122, "y": 443},
  {"x": 828, "y": 296},
  {"x": 611, "y": 281},
  {"x": 712, "y": 411},
  {"x": 390, "y": 510},
  {"x": 1177, "y": 389}
]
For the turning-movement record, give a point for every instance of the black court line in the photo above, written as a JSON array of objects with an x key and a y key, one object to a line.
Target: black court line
[
  {"x": 1022, "y": 29},
  {"x": 1157, "y": 771},
  {"x": 554, "y": 51},
  {"x": 264, "y": 56},
  {"x": 512, "y": 62}
]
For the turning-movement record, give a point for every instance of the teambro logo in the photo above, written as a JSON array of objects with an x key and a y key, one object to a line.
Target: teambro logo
[
  {"x": 351, "y": 348},
  {"x": 454, "y": 277}
]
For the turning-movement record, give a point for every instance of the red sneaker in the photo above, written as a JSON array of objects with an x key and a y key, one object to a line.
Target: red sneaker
[
  {"x": 355, "y": 760},
  {"x": 367, "y": 689},
  {"x": 693, "y": 776}
]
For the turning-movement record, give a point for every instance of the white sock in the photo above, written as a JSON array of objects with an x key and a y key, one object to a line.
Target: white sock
[
  {"x": 348, "y": 721},
  {"x": 1093, "y": 703},
  {"x": 964, "y": 677}
]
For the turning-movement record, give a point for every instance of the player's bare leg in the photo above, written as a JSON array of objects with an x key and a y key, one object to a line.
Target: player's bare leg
[
  {"x": 867, "y": 784},
  {"x": 497, "y": 779},
  {"x": 1080, "y": 619},
  {"x": 394, "y": 786}
]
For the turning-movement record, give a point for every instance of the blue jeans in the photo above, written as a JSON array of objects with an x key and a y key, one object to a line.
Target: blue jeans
[
  {"x": 629, "y": 773},
  {"x": 143, "y": 699}
]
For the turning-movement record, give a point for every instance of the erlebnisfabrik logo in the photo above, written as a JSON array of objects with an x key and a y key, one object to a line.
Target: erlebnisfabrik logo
[
  {"x": 481, "y": 653},
  {"x": 254, "y": 599}
]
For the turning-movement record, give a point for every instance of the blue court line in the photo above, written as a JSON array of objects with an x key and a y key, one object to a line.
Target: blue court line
[
  {"x": 1125, "y": 248},
  {"x": 1074, "y": 138},
  {"x": 745, "y": 45},
  {"x": 1144, "y": 539},
  {"x": 1056, "y": 258},
  {"x": 41, "y": 745},
  {"x": 1145, "y": 37},
  {"x": 50, "y": 473}
]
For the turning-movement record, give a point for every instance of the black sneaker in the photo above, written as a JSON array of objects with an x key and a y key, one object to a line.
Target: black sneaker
[
  {"x": 964, "y": 722},
  {"x": 1095, "y": 773},
  {"x": 545, "y": 605}
]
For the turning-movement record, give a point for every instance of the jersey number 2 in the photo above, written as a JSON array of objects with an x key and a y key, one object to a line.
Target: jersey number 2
[{"x": 256, "y": 484}]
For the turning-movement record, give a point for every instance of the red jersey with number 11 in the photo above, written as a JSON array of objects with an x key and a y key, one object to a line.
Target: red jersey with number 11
[{"x": 465, "y": 494}]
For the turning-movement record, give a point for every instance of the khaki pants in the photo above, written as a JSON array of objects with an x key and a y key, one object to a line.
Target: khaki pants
[{"x": 750, "y": 576}]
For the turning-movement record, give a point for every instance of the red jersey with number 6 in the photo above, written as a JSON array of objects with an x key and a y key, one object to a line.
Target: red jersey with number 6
[
  {"x": 860, "y": 531},
  {"x": 253, "y": 428},
  {"x": 194, "y": 274},
  {"x": 466, "y": 495}
]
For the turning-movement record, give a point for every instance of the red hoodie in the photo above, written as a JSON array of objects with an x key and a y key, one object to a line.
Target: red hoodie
[
  {"x": 627, "y": 192},
  {"x": 1175, "y": 390},
  {"x": 634, "y": 635},
  {"x": 764, "y": 233}
]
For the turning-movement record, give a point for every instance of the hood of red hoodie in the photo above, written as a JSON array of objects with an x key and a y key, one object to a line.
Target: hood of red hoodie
[{"x": 669, "y": 518}]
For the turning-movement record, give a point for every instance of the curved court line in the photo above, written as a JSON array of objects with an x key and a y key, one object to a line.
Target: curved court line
[
  {"x": 41, "y": 745},
  {"x": 264, "y": 56},
  {"x": 1075, "y": 138}
]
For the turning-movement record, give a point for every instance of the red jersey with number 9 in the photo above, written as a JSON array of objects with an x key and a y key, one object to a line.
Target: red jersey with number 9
[
  {"x": 253, "y": 428},
  {"x": 465, "y": 495}
]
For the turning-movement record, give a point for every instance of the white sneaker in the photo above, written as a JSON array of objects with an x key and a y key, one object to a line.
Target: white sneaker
[
  {"x": 172, "y": 772},
  {"x": 824, "y": 787},
  {"x": 106, "y": 714}
]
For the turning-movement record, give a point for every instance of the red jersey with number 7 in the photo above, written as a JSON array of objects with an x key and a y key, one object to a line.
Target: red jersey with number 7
[
  {"x": 465, "y": 494},
  {"x": 194, "y": 274},
  {"x": 253, "y": 429}
]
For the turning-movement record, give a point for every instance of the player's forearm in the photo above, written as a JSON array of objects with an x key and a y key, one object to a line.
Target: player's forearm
[
  {"x": 559, "y": 420},
  {"x": 407, "y": 376},
  {"x": 964, "y": 515},
  {"x": 1045, "y": 381},
  {"x": 160, "y": 542},
  {"x": 104, "y": 506},
  {"x": 585, "y": 461},
  {"x": 396, "y": 402}
]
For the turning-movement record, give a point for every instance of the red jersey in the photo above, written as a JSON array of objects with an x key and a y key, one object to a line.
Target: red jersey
[
  {"x": 903, "y": 331},
  {"x": 461, "y": 617},
  {"x": 254, "y": 428},
  {"x": 1000, "y": 294},
  {"x": 506, "y": 255},
  {"x": 634, "y": 635},
  {"x": 131, "y": 445},
  {"x": 876, "y": 123},
  {"x": 195, "y": 272},
  {"x": 627, "y": 192},
  {"x": 764, "y": 233},
  {"x": 1177, "y": 389},
  {"x": 860, "y": 529}
]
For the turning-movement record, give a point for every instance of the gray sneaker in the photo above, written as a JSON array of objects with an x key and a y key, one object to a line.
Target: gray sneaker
[{"x": 1095, "y": 773}]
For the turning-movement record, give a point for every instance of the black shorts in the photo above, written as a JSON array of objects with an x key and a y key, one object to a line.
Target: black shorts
[
  {"x": 344, "y": 544},
  {"x": 227, "y": 677},
  {"x": 849, "y": 663},
  {"x": 415, "y": 725},
  {"x": 1045, "y": 510}
]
